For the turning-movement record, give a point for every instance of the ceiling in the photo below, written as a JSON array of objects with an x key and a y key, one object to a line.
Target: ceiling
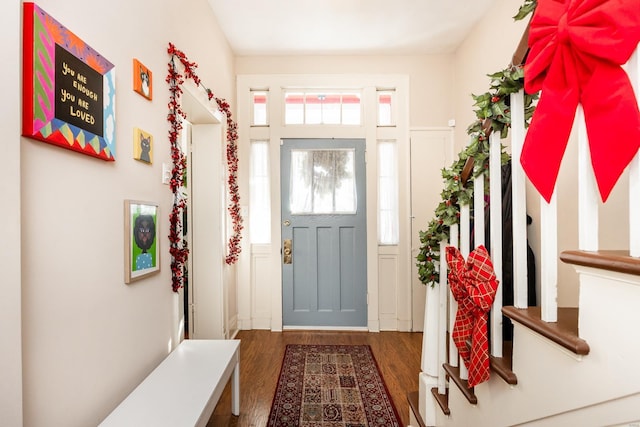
[{"x": 346, "y": 27}]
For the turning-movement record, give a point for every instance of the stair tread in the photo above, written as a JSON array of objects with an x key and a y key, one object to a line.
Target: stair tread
[
  {"x": 463, "y": 385},
  {"x": 503, "y": 365},
  {"x": 442, "y": 399},
  {"x": 563, "y": 332},
  {"x": 611, "y": 260},
  {"x": 414, "y": 405}
]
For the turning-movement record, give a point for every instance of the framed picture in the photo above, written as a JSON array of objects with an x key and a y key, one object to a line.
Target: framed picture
[
  {"x": 142, "y": 146},
  {"x": 68, "y": 89},
  {"x": 142, "y": 248},
  {"x": 142, "y": 82}
]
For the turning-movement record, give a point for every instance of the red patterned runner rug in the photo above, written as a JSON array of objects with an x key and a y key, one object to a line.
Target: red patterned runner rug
[{"x": 331, "y": 386}]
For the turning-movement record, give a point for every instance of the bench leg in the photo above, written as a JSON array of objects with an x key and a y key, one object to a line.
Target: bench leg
[{"x": 235, "y": 390}]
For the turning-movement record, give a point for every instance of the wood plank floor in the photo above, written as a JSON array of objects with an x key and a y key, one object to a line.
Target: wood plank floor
[{"x": 261, "y": 354}]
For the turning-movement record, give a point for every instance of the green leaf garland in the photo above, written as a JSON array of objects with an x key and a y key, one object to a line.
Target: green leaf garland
[{"x": 493, "y": 115}]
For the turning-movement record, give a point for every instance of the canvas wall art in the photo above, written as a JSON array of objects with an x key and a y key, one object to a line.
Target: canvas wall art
[
  {"x": 68, "y": 88},
  {"x": 142, "y": 248},
  {"x": 142, "y": 80},
  {"x": 142, "y": 146}
]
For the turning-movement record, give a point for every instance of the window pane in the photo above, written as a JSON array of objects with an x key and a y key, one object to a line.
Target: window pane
[
  {"x": 351, "y": 111},
  {"x": 300, "y": 185},
  {"x": 259, "y": 194},
  {"x": 331, "y": 109},
  {"x": 259, "y": 99},
  {"x": 294, "y": 108},
  {"x": 388, "y": 223},
  {"x": 322, "y": 182},
  {"x": 345, "y": 192},
  {"x": 385, "y": 108},
  {"x": 313, "y": 108},
  {"x": 323, "y": 108}
]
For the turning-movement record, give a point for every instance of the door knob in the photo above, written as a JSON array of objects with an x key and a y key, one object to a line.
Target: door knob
[{"x": 287, "y": 256}]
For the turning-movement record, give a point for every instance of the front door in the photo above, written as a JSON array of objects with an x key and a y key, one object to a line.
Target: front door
[{"x": 324, "y": 276}]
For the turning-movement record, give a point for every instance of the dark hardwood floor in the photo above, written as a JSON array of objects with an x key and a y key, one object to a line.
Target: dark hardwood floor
[{"x": 261, "y": 353}]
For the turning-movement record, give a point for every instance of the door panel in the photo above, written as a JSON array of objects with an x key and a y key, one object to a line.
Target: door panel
[{"x": 325, "y": 284}]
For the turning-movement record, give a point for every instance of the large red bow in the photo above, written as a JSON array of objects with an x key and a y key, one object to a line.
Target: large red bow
[
  {"x": 473, "y": 284},
  {"x": 577, "y": 47}
]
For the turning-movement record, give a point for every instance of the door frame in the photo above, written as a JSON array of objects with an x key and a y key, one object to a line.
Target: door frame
[
  {"x": 260, "y": 281},
  {"x": 207, "y": 301}
]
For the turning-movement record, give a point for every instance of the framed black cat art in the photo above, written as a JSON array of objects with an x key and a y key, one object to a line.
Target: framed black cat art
[
  {"x": 142, "y": 82},
  {"x": 142, "y": 146},
  {"x": 142, "y": 248}
]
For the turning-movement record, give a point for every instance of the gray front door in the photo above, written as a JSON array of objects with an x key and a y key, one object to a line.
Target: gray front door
[{"x": 324, "y": 276}]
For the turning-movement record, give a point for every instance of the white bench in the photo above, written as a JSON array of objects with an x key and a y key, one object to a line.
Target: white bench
[{"x": 184, "y": 389}]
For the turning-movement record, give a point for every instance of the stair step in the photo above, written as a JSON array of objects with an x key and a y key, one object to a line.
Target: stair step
[
  {"x": 442, "y": 399},
  {"x": 503, "y": 365},
  {"x": 564, "y": 332},
  {"x": 414, "y": 405},
  {"x": 463, "y": 385}
]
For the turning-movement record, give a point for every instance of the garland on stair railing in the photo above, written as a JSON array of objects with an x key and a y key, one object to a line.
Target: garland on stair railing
[
  {"x": 178, "y": 247},
  {"x": 493, "y": 114}
]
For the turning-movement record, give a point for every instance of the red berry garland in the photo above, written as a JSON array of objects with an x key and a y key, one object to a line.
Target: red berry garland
[{"x": 178, "y": 248}]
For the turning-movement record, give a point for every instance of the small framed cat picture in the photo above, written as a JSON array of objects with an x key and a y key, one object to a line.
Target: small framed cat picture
[
  {"x": 142, "y": 146},
  {"x": 142, "y": 82}
]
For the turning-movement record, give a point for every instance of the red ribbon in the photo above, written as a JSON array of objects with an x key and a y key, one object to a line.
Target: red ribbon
[
  {"x": 577, "y": 47},
  {"x": 473, "y": 284}
]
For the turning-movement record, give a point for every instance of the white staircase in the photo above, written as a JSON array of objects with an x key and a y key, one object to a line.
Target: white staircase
[
  {"x": 565, "y": 366},
  {"x": 555, "y": 385}
]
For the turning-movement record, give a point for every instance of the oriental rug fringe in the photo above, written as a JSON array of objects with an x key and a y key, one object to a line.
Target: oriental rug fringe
[{"x": 331, "y": 386}]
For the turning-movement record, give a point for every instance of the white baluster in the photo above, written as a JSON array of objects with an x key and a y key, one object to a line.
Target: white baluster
[
  {"x": 495, "y": 207},
  {"x": 465, "y": 228},
  {"x": 587, "y": 191},
  {"x": 633, "y": 67},
  {"x": 465, "y": 243},
  {"x": 519, "y": 203},
  {"x": 453, "y": 304},
  {"x": 549, "y": 259},
  {"x": 478, "y": 210},
  {"x": 442, "y": 311}
]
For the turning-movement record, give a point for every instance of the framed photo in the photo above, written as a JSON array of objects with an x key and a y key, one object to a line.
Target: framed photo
[
  {"x": 142, "y": 80},
  {"x": 142, "y": 248},
  {"x": 142, "y": 146},
  {"x": 69, "y": 89}
]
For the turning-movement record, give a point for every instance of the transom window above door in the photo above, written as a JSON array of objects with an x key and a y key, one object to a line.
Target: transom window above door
[
  {"x": 322, "y": 108},
  {"x": 322, "y": 182}
]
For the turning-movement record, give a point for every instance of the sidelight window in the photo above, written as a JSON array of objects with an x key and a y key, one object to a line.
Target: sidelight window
[{"x": 388, "y": 223}]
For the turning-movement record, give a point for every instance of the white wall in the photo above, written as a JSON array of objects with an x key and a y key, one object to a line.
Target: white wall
[
  {"x": 88, "y": 338},
  {"x": 10, "y": 303}
]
